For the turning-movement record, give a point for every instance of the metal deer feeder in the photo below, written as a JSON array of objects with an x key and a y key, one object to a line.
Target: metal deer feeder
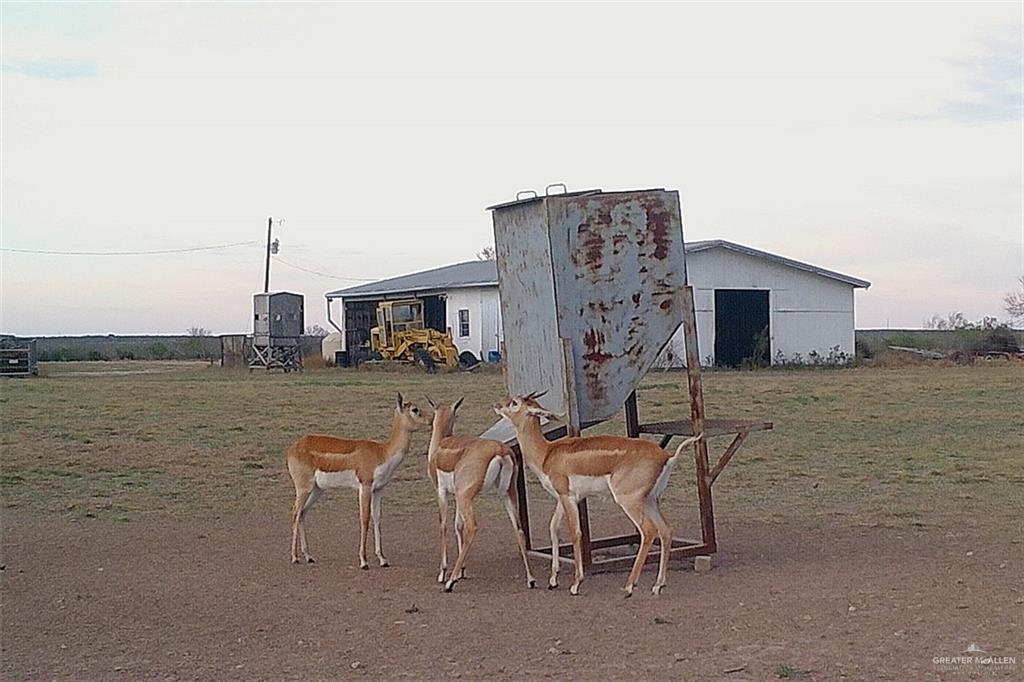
[{"x": 593, "y": 285}]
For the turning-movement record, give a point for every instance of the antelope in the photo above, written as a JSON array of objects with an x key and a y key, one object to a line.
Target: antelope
[
  {"x": 466, "y": 467},
  {"x": 318, "y": 462},
  {"x": 633, "y": 470}
]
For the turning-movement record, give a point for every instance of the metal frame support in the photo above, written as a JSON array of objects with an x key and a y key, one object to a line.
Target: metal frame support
[{"x": 705, "y": 475}]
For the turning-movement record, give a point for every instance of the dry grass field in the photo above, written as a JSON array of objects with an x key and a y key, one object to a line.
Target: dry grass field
[{"x": 878, "y": 526}]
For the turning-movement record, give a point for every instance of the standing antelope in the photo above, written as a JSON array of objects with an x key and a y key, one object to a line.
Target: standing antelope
[
  {"x": 320, "y": 462},
  {"x": 635, "y": 471},
  {"x": 467, "y": 467}
]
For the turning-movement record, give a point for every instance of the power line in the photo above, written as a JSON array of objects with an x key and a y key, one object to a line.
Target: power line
[
  {"x": 323, "y": 274},
  {"x": 190, "y": 249},
  {"x": 130, "y": 253}
]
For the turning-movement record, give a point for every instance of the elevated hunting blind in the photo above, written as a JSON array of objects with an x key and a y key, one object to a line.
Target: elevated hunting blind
[
  {"x": 278, "y": 323},
  {"x": 593, "y": 285}
]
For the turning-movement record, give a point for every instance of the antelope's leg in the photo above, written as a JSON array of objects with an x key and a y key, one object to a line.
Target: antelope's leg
[
  {"x": 442, "y": 511},
  {"x": 365, "y": 493},
  {"x": 634, "y": 509},
  {"x": 556, "y": 521},
  {"x": 375, "y": 514},
  {"x": 463, "y": 509},
  {"x": 664, "y": 537},
  {"x": 572, "y": 514},
  {"x": 301, "y": 495},
  {"x": 459, "y": 540},
  {"x": 311, "y": 499},
  {"x": 511, "y": 504}
]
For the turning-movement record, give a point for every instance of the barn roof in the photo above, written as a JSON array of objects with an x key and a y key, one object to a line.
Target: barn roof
[
  {"x": 694, "y": 247},
  {"x": 474, "y": 273},
  {"x": 478, "y": 273}
]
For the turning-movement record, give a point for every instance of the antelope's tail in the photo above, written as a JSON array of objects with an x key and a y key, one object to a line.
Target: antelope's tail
[{"x": 688, "y": 442}]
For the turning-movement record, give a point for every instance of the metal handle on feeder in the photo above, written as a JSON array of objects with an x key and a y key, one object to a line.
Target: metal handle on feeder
[
  {"x": 547, "y": 190},
  {"x": 522, "y": 194}
]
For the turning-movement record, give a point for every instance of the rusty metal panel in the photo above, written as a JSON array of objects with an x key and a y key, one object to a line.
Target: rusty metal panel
[
  {"x": 604, "y": 272},
  {"x": 533, "y": 349},
  {"x": 619, "y": 267}
]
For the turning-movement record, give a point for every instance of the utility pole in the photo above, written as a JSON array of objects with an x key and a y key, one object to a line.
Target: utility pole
[{"x": 271, "y": 248}]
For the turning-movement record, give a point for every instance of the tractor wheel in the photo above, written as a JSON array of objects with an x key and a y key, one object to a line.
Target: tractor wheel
[
  {"x": 467, "y": 359},
  {"x": 423, "y": 357}
]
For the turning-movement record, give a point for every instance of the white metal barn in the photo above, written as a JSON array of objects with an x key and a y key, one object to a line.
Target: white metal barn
[
  {"x": 751, "y": 306},
  {"x": 741, "y": 293}
]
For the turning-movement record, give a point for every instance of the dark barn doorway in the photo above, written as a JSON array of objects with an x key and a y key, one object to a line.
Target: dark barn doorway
[
  {"x": 742, "y": 334},
  {"x": 435, "y": 313},
  {"x": 360, "y": 317}
]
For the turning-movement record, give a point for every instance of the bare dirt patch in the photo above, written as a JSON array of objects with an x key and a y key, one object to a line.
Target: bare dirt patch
[
  {"x": 188, "y": 599},
  {"x": 145, "y": 536}
]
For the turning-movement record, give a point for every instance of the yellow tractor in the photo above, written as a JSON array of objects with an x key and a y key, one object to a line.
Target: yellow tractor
[{"x": 401, "y": 335}]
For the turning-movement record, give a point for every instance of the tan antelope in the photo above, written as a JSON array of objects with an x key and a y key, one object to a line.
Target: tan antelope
[
  {"x": 317, "y": 463},
  {"x": 466, "y": 467},
  {"x": 633, "y": 470}
]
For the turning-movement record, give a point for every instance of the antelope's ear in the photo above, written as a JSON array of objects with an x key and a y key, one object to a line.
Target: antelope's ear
[
  {"x": 430, "y": 402},
  {"x": 455, "y": 407},
  {"x": 541, "y": 412},
  {"x": 401, "y": 401}
]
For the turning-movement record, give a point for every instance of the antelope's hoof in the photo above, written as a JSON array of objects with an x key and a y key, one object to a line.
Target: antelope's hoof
[
  {"x": 295, "y": 559},
  {"x": 385, "y": 564},
  {"x": 574, "y": 590},
  {"x": 628, "y": 593},
  {"x": 364, "y": 567},
  {"x": 656, "y": 590},
  {"x": 531, "y": 583},
  {"x": 440, "y": 577},
  {"x": 449, "y": 586},
  {"x": 552, "y": 584},
  {"x": 310, "y": 560}
]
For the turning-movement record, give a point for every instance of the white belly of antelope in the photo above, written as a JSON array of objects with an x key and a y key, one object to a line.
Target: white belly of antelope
[
  {"x": 336, "y": 479},
  {"x": 584, "y": 486}
]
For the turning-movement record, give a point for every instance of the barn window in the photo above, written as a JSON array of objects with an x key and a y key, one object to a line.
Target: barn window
[{"x": 463, "y": 323}]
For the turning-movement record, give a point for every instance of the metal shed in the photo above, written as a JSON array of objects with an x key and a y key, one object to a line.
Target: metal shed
[{"x": 593, "y": 285}]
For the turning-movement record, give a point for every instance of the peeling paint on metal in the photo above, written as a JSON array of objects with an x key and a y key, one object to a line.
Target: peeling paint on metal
[{"x": 616, "y": 262}]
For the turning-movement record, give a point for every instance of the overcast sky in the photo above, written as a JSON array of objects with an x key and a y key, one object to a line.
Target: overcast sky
[{"x": 880, "y": 140}]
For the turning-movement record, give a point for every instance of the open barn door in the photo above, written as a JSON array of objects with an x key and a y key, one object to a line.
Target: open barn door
[{"x": 742, "y": 330}]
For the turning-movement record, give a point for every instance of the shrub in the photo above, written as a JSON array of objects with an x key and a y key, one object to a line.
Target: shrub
[
  {"x": 833, "y": 359},
  {"x": 66, "y": 354},
  {"x": 193, "y": 347},
  {"x": 157, "y": 351},
  {"x": 907, "y": 340},
  {"x": 999, "y": 340}
]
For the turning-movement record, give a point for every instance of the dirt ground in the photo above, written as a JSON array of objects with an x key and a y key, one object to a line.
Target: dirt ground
[
  {"x": 167, "y": 599},
  {"x": 875, "y": 534}
]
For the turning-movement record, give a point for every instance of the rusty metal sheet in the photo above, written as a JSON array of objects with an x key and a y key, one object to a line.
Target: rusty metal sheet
[
  {"x": 620, "y": 265},
  {"x": 533, "y": 350},
  {"x": 601, "y": 270}
]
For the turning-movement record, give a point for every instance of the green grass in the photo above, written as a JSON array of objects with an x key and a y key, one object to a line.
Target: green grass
[
  {"x": 910, "y": 447},
  {"x": 785, "y": 671}
]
